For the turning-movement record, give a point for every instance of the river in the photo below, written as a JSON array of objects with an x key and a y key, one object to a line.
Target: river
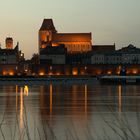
[{"x": 68, "y": 110}]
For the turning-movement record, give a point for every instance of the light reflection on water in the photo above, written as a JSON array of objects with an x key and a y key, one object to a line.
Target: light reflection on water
[
  {"x": 69, "y": 109},
  {"x": 51, "y": 100},
  {"x": 86, "y": 91},
  {"x": 21, "y": 109},
  {"x": 120, "y": 98}
]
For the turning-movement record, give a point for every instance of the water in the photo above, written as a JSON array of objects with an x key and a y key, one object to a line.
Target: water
[{"x": 69, "y": 110}]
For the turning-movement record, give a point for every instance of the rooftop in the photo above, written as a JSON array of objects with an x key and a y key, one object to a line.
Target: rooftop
[
  {"x": 72, "y": 37},
  {"x": 47, "y": 25}
]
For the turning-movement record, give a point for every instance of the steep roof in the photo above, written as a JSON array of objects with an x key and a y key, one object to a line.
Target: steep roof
[
  {"x": 72, "y": 37},
  {"x": 47, "y": 25}
]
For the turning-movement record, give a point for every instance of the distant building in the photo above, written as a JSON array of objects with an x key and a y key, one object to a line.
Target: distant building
[
  {"x": 125, "y": 56},
  {"x": 10, "y": 58},
  {"x": 9, "y": 43},
  {"x": 78, "y": 58},
  {"x": 113, "y": 58},
  {"x": 74, "y": 42},
  {"x": 101, "y": 54},
  {"x": 98, "y": 58},
  {"x": 130, "y": 55}
]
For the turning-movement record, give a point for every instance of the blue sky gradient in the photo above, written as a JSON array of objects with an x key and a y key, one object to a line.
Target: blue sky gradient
[{"x": 110, "y": 21}]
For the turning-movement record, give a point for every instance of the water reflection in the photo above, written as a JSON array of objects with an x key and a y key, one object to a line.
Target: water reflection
[
  {"x": 55, "y": 100},
  {"x": 120, "y": 98},
  {"x": 26, "y": 90},
  {"x": 21, "y": 109},
  {"x": 23, "y": 92},
  {"x": 51, "y": 100},
  {"x": 67, "y": 106},
  {"x": 86, "y": 91},
  {"x": 16, "y": 98}
]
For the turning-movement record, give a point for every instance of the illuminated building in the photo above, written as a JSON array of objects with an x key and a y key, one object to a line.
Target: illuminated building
[
  {"x": 10, "y": 58},
  {"x": 74, "y": 42}
]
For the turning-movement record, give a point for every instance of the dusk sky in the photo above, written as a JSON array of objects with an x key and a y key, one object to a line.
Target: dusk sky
[{"x": 109, "y": 20}]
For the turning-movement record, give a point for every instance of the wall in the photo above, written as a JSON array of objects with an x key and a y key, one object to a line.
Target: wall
[{"x": 56, "y": 59}]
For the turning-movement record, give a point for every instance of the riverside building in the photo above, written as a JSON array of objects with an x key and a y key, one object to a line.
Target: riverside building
[
  {"x": 10, "y": 58},
  {"x": 74, "y": 42}
]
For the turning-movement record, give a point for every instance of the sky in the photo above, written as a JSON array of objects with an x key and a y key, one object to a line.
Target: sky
[{"x": 110, "y": 21}]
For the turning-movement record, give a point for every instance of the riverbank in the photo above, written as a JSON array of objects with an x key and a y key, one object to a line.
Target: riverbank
[
  {"x": 44, "y": 79},
  {"x": 116, "y": 79}
]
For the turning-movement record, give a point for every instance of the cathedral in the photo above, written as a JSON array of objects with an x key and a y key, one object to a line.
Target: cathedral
[{"x": 74, "y": 42}]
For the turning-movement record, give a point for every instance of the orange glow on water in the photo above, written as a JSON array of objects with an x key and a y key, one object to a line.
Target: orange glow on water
[
  {"x": 21, "y": 109},
  {"x": 16, "y": 97},
  {"x": 51, "y": 99},
  {"x": 120, "y": 98},
  {"x": 85, "y": 100}
]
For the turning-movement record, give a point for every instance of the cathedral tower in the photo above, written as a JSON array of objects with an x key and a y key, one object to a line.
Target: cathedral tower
[{"x": 45, "y": 33}]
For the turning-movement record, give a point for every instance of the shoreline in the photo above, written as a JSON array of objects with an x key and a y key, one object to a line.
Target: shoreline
[
  {"x": 45, "y": 77},
  {"x": 45, "y": 80}
]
